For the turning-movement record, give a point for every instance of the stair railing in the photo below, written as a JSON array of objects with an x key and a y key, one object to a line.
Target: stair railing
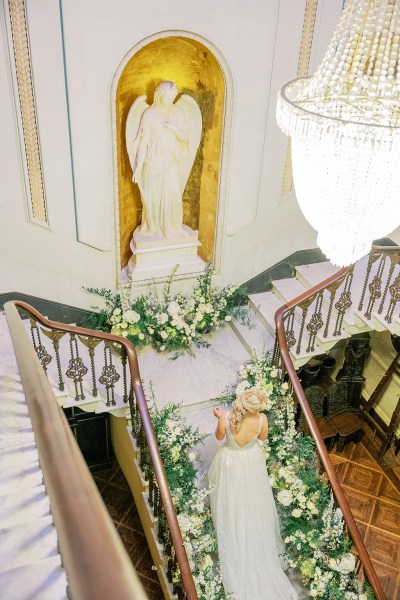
[
  {"x": 284, "y": 318},
  {"x": 115, "y": 388}
]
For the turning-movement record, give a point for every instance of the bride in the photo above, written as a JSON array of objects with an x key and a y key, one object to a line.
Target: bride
[{"x": 242, "y": 505}]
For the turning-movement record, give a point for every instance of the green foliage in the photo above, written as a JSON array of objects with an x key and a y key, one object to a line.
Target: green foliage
[{"x": 168, "y": 322}]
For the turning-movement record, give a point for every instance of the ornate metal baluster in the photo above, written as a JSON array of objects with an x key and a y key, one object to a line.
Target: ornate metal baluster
[
  {"x": 76, "y": 368},
  {"x": 40, "y": 350},
  {"x": 394, "y": 298},
  {"x": 332, "y": 289},
  {"x": 344, "y": 302},
  {"x": 372, "y": 258},
  {"x": 375, "y": 288},
  {"x": 315, "y": 323},
  {"x": 109, "y": 375},
  {"x": 55, "y": 336},
  {"x": 124, "y": 359},
  {"x": 394, "y": 259},
  {"x": 91, "y": 344},
  {"x": 289, "y": 332},
  {"x": 304, "y": 307}
]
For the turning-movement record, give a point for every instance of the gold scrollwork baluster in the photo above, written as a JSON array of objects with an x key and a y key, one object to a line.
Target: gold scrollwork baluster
[
  {"x": 371, "y": 259},
  {"x": 91, "y": 344},
  {"x": 109, "y": 375},
  {"x": 55, "y": 336},
  {"x": 394, "y": 290},
  {"x": 315, "y": 323},
  {"x": 344, "y": 302},
  {"x": 304, "y": 306},
  {"x": 40, "y": 350},
  {"x": 76, "y": 368},
  {"x": 332, "y": 289},
  {"x": 375, "y": 287},
  {"x": 394, "y": 260}
]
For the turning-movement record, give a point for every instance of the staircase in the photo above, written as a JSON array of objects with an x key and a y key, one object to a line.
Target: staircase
[
  {"x": 30, "y": 564},
  {"x": 196, "y": 381}
]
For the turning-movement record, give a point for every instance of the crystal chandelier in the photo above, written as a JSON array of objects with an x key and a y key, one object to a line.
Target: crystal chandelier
[{"x": 344, "y": 124}]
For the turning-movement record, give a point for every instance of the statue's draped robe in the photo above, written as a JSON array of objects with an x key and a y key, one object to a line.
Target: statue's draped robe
[{"x": 160, "y": 184}]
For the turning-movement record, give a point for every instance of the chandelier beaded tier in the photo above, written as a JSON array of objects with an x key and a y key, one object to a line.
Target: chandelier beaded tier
[{"x": 344, "y": 124}]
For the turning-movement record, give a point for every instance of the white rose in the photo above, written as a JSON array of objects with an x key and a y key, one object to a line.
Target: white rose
[
  {"x": 117, "y": 311},
  {"x": 163, "y": 318},
  {"x": 313, "y": 593},
  {"x": 274, "y": 373},
  {"x": 124, "y": 334},
  {"x": 362, "y": 597},
  {"x": 173, "y": 308},
  {"x": 132, "y": 316},
  {"x": 124, "y": 325},
  {"x": 164, "y": 335},
  {"x": 162, "y": 348},
  {"x": 141, "y": 336},
  {"x": 285, "y": 497},
  {"x": 191, "y": 456},
  {"x": 228, "y": 318},
  {"x": 285, "y": 386},
  {"x": 297, "y": 513},
  {"x": 150, "y": 330}
]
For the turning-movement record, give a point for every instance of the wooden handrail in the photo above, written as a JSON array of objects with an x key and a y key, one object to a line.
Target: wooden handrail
[
  {"x": 55, "y": 463},
  {"x": 314, "y": 430}
]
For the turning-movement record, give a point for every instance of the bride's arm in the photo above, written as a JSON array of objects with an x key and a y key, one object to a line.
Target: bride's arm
[{"x": 221, "y": 427}]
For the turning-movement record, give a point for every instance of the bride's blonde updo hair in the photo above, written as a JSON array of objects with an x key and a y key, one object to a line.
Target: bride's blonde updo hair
[{"x": 252, "y": 401}]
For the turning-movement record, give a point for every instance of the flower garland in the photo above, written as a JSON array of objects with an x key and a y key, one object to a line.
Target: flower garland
[
  {"x": 311, "y": 526},
  {"x": 176, "y": 441},
  {"x": 165, "y": 321}
]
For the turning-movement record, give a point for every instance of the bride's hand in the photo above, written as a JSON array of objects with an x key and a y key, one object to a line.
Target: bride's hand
[{"x": 217, "y": 412}]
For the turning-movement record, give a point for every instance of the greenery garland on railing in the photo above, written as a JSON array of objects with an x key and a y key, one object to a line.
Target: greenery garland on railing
[
  {"x": 165, "y": 321},
  {"x": 312, "y": 527}
]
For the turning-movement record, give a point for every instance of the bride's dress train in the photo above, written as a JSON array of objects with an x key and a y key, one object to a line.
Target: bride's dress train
[{"x": 246, "y": 522}]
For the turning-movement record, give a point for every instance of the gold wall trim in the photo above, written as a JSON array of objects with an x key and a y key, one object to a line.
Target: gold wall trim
[
  {"x": 307, "y": 35},
  {"x": 20, "y": 39}
]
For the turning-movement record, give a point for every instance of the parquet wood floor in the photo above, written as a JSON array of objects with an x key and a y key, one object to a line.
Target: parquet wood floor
[
  {"x": 117, "y": 497},
  {"x": 374, "y": 498}
]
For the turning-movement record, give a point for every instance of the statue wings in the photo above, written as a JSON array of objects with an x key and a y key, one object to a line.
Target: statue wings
[
  {"x": 193, "y": 127},
  {"x": 132, "y": 127}
]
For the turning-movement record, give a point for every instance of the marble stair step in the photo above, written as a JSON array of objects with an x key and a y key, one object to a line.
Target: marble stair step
[
  {"x": 42, "y": 580},
  {"x": 193, "y": 379},
  {"x": 288, "y": 289},
  {"x": 17, "y": 478},
  {"x": 20, "y": 456},
  {"x": 266, "y": 304},
  {"x": 10, "y": 439},
  {"x": 24, "y": 506},
  {"x": 253, "y": 333},
  {"x": 312, "y": 274},
  {"x": 27, "y": 543}
]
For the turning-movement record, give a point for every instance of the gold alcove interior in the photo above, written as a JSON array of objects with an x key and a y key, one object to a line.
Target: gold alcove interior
[{"x": 196, "y": 72}]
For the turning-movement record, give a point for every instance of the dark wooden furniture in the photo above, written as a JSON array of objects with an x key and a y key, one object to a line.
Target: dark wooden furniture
[
  {"x": 343, "y": 416},
  {"x": 315, "y": 397}
]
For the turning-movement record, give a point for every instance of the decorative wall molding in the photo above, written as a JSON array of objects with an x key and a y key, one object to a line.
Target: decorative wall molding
[
  {"x": 23, "y": 70},
  {"x": 307, "y": 37}
]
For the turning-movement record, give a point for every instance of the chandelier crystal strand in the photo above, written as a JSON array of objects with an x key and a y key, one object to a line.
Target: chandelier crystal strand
[{"x": 344, "y": 122}]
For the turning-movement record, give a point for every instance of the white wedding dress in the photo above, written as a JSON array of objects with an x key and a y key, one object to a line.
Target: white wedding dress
[{"x": 246, "y": 522}]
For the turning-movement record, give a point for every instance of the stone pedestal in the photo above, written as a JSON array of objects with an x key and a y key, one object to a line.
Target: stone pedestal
[{"x": 154, "y": 257}]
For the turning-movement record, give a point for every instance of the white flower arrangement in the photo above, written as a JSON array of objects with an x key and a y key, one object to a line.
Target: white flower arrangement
[{"x": 168, "y": 323}]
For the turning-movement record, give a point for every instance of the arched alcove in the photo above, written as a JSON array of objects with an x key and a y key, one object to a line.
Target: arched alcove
[{"x": 196, "y": 71}]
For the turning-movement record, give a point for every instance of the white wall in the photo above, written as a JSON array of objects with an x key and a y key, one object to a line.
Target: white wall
[{"x": 260, "y": 42}]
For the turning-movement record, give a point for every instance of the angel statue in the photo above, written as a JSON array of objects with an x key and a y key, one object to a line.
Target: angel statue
[{"x": 162, "y": 141}]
